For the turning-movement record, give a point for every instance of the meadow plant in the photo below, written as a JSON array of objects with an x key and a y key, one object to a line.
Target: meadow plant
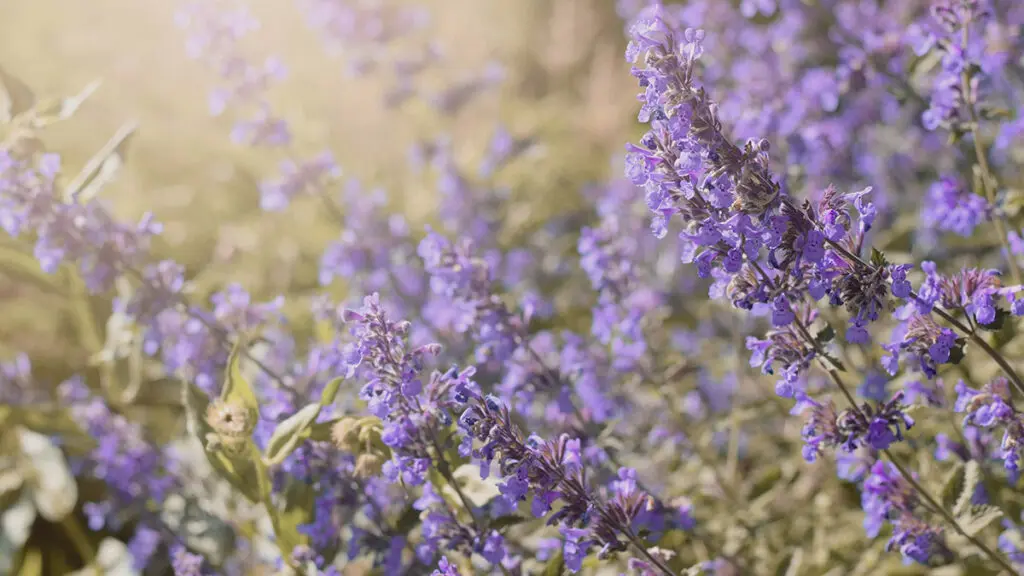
[{"x": 780, "y": 339}]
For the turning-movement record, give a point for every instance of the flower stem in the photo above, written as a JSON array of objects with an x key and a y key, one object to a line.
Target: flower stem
[
  {"x": 973, "y": 335},
  {"x": 981, "y": 157},
  {"x": 639, "y": 545},
  {"x": 946, "y": 515}
]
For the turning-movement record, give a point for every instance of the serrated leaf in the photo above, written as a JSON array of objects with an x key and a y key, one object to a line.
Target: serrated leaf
[
  {"x": 555, "y": 566},
  {"x": 289, "y": 433},
  {"x": 51, "y": 484},
  {"x": 331, "y": 391},
  {"x": 102, "y": 167},
  {"x": 236, "y": 388},
  {"x": 952, "y": 485},
  {"x": 972, "y": 477},
  {"x": 825, "y": 335},
  {"x": 877, "y": 257},
  {"x": 836, "y": 362},
  {"x": 977, "y": 518},
  {"x": 508, "y": 521}
]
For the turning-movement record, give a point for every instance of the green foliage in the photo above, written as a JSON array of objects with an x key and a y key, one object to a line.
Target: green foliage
[
  {"x": 976, "y": 518},
  {"x": 237, "y": 388},
  {"x": 971, "y": 479},
  {"x": 289, "y": 433},
  {"x": 240, "y": 474}
]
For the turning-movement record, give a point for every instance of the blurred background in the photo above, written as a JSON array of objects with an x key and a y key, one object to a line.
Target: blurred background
[
  {"x": 564, "y": 82},
  {"x": 548, "y": 72}
]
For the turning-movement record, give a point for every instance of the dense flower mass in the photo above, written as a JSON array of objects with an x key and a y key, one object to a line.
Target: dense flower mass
[{"x": 733, "y": 355}]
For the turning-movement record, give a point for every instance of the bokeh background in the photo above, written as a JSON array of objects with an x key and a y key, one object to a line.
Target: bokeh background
[{"x": 565, "y": 84}]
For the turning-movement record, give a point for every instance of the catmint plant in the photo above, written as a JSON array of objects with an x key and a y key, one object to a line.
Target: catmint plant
[{"x": 778, "y": 334}]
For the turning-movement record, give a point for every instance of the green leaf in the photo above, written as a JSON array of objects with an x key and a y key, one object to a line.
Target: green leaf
[
  {"x": 834, "y": 361},
  {"x": 331, "y": 391},
  {"x": 952, "y": 485},
  {"x": 321, "y": 431},
  {"x": 236, "y": 388},
  {"x": 825, "y": 335},
  {"x": 241, "y": 475},
  {"x": 972, "y": 477},
  {"x": 555, "y": 566},
  {"x": 299, "y": 499},
  {"x": 289, "y": 433},
  {"x": 956, "y": 353},
  {"x": 53, "y": 110},
  {"x": 978, "y": 517},
  {"x": 101, "y": 169},
  {"x": 877, "y": 257}
]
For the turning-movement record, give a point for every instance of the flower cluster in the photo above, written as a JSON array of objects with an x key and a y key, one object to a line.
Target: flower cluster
[{"x": 518, "y": 385}]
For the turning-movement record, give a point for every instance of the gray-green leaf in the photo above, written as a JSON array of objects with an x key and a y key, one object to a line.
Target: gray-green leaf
[
  {"x": 289, "y": 433},
  {"x": 331, "y": 391},
  {"x": 102, "y": 167},
  {"x": 972, "y": 476},
  {"x": 54, "y": 110},
  {"x": 978, "y": 518},
  {"x": 236, "y": 387}
]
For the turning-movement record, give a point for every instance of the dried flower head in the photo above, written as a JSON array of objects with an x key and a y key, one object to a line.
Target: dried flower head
[
  {"x": 345, "y": 434},
  {"x": 230, "y": 420}
]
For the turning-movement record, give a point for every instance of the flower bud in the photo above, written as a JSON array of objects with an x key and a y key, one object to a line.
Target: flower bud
[
  {"x": 345, "y": 434},
  {"x": 368, "y": 465},
  {"x": 230, "y": 420}
]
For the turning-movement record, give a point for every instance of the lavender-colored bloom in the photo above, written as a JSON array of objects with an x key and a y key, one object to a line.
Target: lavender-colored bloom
[
  {"x": 135, "y": 472},
  {"x": 949, "y": 207},
  {"x": 875, "y": 427},
  {"x": 464, "y": 283},
  {"x": 993, "y": 407},
  {"x": 185, "y": 563},
  {"x": 888, "y": 497},
  {"x": 298, "y": 178},
  {"x": 445, "y": 568}
]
